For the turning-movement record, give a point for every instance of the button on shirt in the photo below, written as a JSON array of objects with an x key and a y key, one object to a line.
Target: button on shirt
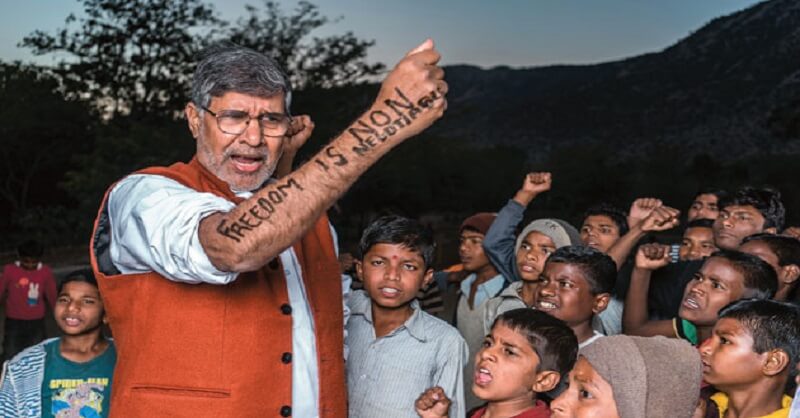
[
  {"x": 386, "y": 375},
  {"x": 154, "y": 224}
]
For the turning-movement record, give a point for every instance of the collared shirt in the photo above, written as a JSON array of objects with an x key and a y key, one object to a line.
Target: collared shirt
[
  {"x": 510, "y": 298},
  {"x": 485, "y": 290},
  {"x": 721, "y": 399},
  {"x": 154, "y": 224},
  {"x": 386, "y": 375}
]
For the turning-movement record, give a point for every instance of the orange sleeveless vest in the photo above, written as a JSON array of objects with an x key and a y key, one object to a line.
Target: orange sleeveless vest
[{"x": 203, "y": 350}]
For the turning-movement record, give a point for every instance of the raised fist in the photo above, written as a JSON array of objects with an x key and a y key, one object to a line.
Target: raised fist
[
  {"x": 661, "y": 219},
  {"x": 412, "y": 96},
  {"x": 642, "y": 208},
  {"x": 536, "y": 183},
  {"x": 433, "y": 403},
  {"x": 299, "y": 131},
  {"x": 652, "y": 256}
]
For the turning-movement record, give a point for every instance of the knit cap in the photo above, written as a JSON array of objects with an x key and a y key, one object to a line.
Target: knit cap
[
  {"x": 479, "y": 221},
  {"x": 561, "y": 232},
  {"x": 650, "y": 376}
]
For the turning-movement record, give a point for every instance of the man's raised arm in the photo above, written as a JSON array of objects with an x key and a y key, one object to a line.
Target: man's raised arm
[{"x": 411, "y": 98}]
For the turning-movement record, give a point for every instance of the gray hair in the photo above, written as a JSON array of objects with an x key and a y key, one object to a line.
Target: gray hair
[{"x": 228, "y": 67}]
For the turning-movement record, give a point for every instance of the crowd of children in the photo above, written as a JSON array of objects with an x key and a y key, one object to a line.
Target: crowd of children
[{"x": 548, "y": 320}]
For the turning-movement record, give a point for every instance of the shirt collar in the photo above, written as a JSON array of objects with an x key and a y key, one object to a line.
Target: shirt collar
[
  {"x": 492, "y": 286},
  {"x": 415, "y": 324}
]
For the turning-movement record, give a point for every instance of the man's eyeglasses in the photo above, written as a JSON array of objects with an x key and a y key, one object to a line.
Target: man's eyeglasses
[{"x": 235, "y": 122}]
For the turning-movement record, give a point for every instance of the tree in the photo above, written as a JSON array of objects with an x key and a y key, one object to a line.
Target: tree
[
  {"x": 333, "y": 61},
  {"x": 130, "y": 56},
  {"x": 39, "y": 130}
]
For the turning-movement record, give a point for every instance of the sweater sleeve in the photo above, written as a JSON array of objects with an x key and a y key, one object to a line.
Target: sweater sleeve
[{"x": 500, "y": 240}]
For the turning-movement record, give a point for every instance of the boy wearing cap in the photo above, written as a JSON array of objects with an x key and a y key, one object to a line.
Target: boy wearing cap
[
  {"x": 482, "y": 284},
  {"x": 521, "y": 259},
  {"x": 632, "y": 377}
]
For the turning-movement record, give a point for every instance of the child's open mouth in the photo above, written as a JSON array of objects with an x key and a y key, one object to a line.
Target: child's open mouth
[
  {"x": 690, "y": 303},
  {"x": 546, "y": 306},
  {"x": 483, "y": 376}
]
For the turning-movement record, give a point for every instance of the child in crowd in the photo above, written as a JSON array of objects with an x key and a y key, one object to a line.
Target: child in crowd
[
  {"x": 747, "y": 212},
  {"x": 751, "y": 356},
  {"x": 576, "y": 286},
  {"x": 646, "y": 215},
  {"x": 726, "y": 276},
  {"x": 783, "y": 254},
  {"x": 397, "y": 350},
  {"x": 482, "y": 284},
  {"x": 28, "y": 283},
  {"x": 705, "y": 204},
  {"x": 698, "y": 240},
  {"x": 70, "y": 375},
  {"x": 520, "y": 259},
  {"x": 632, "y": 377},
  {"x": 603, "y": 224},
  {"x": 525, "y": 354}
]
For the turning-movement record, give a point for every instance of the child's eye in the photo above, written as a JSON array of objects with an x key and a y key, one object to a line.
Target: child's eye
[
  {"x": 63, "y": 299},
  {"x": 547, "y": 251},
  {"x": 565, "y": 284},
  {"x": 585, "y": 229},
  {"x": 606, "y": 230},
  {"x": 88, "y": 301},
  {"x": 583, "y": 393},
  {"x": 410, "y": 267},
  {"x": 509, "y": 352},
  {"x": 376, "y": 262},
  {"x": 716, "y": 285},
  {"x": 525, "y": 246},
  {"x": 723, "y": 340},
  {"x": 486, "y": 343}
]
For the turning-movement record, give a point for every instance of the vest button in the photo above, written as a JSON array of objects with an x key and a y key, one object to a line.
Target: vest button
[
  {"x": 286, "y": 309},
  {"x": 286, "y": 411},
  {"x": 286, "y": 358}
]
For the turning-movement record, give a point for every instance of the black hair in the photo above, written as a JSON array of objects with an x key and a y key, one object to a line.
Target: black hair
[
  {"x": 719, "y": 193},
  {"x": 787, "y": 249},
  {"x": 83, "y": 275},
  {"x": 760, "y": 279},
  {"x": 393, "y": 229},
  {"x": 772, "y": 324},
  {"x": 700, "y": 223},
  {"x": 30, "y": 248},
  {"x": 766, "y": 201},
  {"x": 551, "y": 338},
  {"x": 598, "y": 268},
  {"x": 619, "y": 217}
]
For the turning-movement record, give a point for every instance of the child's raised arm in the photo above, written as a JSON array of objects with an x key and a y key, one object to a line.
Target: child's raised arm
[
  {"x": 500, "y": 240},
  {"x": 660, "y": 218},
  {"x": 635, "y": 318},
  {"x": 432, "y": 403}
]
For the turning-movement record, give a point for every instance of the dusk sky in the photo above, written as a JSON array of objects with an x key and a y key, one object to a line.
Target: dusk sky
[{"x": 518, "y": 33}]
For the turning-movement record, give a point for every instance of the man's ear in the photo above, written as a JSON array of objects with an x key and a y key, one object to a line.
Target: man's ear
[
  {"x": 789, "y": 274},
  {"x": 546, "y": 381},
  {"x": 359, "y": 270},
  {"x": 775, "y": 363},
  {"x": 600, "y": 303},
  {"x": 193, "y": 119},
  {"x": 428, "y": 278}
]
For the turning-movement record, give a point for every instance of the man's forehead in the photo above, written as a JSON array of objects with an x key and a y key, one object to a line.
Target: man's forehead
[
  {"x": 234, "y": 98},
  {"x": 741, "y": 209}
]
